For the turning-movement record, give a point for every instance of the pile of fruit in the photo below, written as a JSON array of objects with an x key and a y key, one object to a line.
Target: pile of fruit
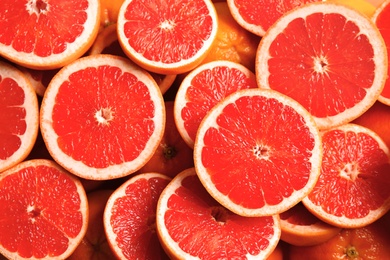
[{"x": 200, "y": 129}]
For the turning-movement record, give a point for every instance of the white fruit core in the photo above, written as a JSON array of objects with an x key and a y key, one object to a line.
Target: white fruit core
[
  {"x": 104, "y": 116},
  {"x": 350, "y": 171},
  {"x": 37, "y": 7},
  {"x": 167, "y": 25},
  {"x": 320, "y": 65},
  {"x": 33, "y": 212},
  {"x": 261, "y": 152}
]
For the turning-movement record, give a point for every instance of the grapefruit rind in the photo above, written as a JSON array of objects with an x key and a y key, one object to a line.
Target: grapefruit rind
[
  {"x": 115, "y": 170},
  {"x": 384, "y": 6},
  {"x": 301, "y": 228},
  {"x": 116, "y": 196},
  {"x": 182, "y": 98},
  {"x": 176, "y": 67},
  {"x": 31, "y": 118},
  {"x": 288, "y": 201},
  {"x": 322, "y": 211},
  {"x": 173, "y": 248},
  {"x": 314, "y": 234},
  {"x": 366, "y": 26},
  {"x": 84, "y": 209},
  {"x": 253, "y": 28},
  {"x": 74, "y": 49}
]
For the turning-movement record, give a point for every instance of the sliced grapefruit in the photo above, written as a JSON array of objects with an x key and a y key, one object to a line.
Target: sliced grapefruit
[
  {"x": 19, "y": 117},
  {"x": 301, "y": 228},
  {"x": 43, "y": 211},
  {"x": 102, "y": 117},
  {"x": 107, "y": 43},
  {"x": 353, "y": 188},
  {"x": 204, "y": 87},
  {"x": 329, "y": 57},
  {"x": 382, "y": 21},
  {"x": 130, "y": 217},
  {"x": 42, "y": 34},
  {"x": 258, "y": 152},
  {"x": 167, "y": 37},
  {"x": 258, "y": 15},
  {"x": 192, "y": 225}
]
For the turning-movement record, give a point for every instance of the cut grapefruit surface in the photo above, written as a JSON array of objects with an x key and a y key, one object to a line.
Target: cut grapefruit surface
[
  {"x": 192, "y": 225},
  {"x": 167, "y": 37},
  {"x": 107, "y": 43},
  {"x": 204, "y": 87},
  {"x": 130, "y": 217},
  {"x": 381, "y": 18},
  {"x": 43, "y": 211},
  {"x": 353, "y": 187},
  {"x": 102, "y": 117},
  {"x": 301, "y": 228},
  {"x": 329, "y": 57},
  {"x": 258, "y": 15},
  {"x": 46, "y": 34},
  {"x": 258, "y": 152},
  {"x": 19, "y": 117}
]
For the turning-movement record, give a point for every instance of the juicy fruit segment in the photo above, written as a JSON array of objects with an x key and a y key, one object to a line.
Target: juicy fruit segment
[
  {"x": 181, "y": 33},
  {"x": 258, "y": 152},
  {"x": 18, "y": 117},
  {"x": 107, "y": 43},
  {"x": 43, "y": 34},
  {"x": 301, "y": 228},
  {"x": 132, "y": 206},
  {"x": 102, "y": 117},
  {"x": 353, "y": 187},
  {"x": 335, "y": 63},
  {"x": 382, "y": 21},
  {"x": 204, "y": 87},
  {"x": 258, "y": 16},
  {"x": 191, "y": 224},
  {"x": 43, "y": 211}
]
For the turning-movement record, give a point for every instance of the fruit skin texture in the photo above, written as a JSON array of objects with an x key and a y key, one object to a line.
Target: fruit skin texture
[
  {"x": 301, "y": 228},
  {"x": 366, "y": 243},
  {"x": 377, "y": 118},
  {"x": 363, "y": 6},
  {"x": 109, "y": 10},
  {"x": 173, "y": 155},
  {"x": 94, "y": 245},
  {"x": 232, "y": 42}
]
